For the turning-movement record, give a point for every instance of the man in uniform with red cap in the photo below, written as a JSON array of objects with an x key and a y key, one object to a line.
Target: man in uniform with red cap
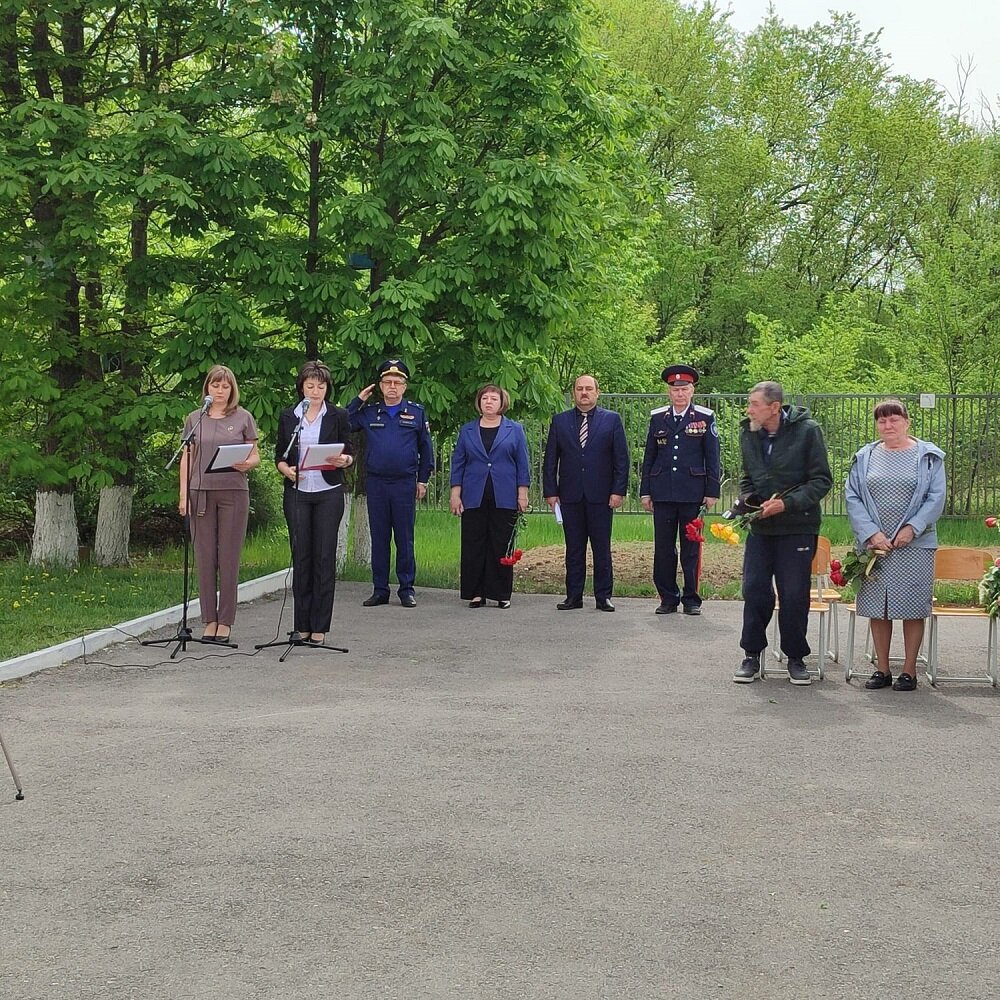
[{"x": 680, "y": 474}]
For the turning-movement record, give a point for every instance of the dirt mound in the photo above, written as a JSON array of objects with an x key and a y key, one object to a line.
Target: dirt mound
[{"x": 544, "y": 568}]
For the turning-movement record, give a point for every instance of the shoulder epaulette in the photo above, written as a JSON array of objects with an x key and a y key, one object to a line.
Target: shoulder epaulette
[
  {"x": 659, "y": 409},
  {"x": 704, "y": 409}
]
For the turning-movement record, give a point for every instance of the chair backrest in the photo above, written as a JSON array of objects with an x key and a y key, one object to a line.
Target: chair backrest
[
  {"x": 821, "y": 561},
  {"x": 957, "y": 563}
]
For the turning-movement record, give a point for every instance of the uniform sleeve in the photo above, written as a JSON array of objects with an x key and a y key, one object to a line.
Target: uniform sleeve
[
  {"x": 354, "y": 409},
  {"x": 425, "y": 446},
  {"x": 648, "y": 457}
]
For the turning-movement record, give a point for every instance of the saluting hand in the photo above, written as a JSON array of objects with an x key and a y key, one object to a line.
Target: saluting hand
[{"x": 366, "y": 392}]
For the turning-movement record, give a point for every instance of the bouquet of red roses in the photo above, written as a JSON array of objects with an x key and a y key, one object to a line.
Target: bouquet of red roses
[
  {"x": 514, "y": 554},
  {"x": 856, "y": 566}
]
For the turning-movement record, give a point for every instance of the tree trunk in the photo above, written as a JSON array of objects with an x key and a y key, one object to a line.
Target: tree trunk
[
  {"x": 344, "y": 531},
  {"x": 360, "y": 531},
  {"x": 114, "y": 517},
  {"x": 55, "y": 541}
]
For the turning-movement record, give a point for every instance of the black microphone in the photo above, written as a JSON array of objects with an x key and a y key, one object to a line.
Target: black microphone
[
  {"x": 206, "y": 405},
  {"x": 298, "y": 429}
]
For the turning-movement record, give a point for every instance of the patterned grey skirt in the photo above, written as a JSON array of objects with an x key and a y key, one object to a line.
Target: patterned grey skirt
[{"x": 901, "y": 587}]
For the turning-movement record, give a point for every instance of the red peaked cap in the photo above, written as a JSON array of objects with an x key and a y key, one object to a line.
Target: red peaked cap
[{"x": 680, "y": 375}]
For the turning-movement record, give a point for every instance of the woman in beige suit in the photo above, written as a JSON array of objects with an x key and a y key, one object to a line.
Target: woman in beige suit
[{"x": 219, "y": 502}]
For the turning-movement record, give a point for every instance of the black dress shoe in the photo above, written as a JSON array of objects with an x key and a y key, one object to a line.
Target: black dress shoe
[
  {"x": 503, "y": 605},
  {"x": 569, "y": 605},
  {"x": 692, "y": 611},
  {"x": 375, "y": 600},
  {"x": 605, "y": 605},
  {"x": 479, "y": 602},
  {"x": 408, "y": 600},
  {"x": 666, "y": 609}
]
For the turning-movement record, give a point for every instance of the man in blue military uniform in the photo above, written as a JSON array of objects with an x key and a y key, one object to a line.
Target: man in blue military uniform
[
  {"x": 399, "y": 460},
  {"x": 680, "y": 473}
]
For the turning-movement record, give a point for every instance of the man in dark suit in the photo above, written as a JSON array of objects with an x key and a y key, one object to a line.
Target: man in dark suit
[
  {"x": 585, "y": 472},
  {"x": 680, "y": 473}
]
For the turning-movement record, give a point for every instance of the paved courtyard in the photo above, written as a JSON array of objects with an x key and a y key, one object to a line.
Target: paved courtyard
[{"x": 496, "y": 804}]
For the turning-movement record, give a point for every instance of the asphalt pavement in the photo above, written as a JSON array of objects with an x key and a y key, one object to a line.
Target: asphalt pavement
[{"x": 495, "y": 804}]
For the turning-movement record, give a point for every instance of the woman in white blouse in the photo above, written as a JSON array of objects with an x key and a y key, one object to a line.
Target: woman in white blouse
[{"x": 314, "y": 499}]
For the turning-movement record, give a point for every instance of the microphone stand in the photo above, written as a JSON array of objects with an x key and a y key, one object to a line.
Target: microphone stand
[
  {"x": 291, "y": 643},
  {"x": 13, "y": 770},
  {"x": 184, "y": 635}
]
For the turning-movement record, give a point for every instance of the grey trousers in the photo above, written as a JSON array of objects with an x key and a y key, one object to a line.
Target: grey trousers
[{"x": 218, "y": 528}]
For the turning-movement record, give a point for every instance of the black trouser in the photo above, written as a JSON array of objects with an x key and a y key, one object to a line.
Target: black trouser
[
  {"x": 313, "y": 523},
  {"x": 583, "y": 522},
  {"x": 787, "y": 561},
  {"x": 669, "y": 520},
  {"x": 486, "y": 532}
]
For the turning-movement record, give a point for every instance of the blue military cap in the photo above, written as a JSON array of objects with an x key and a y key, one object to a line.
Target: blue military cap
[
  {"x": 393, "y": 367},
  {"x": 680, "y": 375}
]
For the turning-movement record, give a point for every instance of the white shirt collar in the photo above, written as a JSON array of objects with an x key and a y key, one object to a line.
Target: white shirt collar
[{"x": 303, "y": 407}]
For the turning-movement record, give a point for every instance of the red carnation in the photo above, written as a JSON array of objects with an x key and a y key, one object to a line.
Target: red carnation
[
  {"x": 991, "y": 522},
  {"x": 517, "y": 554},
  {"x": 835, "y": 564}
]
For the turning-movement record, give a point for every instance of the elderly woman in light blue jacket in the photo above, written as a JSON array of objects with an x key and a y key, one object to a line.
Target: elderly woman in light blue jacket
[{"x": 895, "y": 495}]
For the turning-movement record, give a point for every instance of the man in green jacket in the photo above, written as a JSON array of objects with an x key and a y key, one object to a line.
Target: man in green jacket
[{"x": 786, "y": 473}]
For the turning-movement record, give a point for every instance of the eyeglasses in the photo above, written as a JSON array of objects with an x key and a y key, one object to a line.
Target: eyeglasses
[{"x": 393, "y": 381}]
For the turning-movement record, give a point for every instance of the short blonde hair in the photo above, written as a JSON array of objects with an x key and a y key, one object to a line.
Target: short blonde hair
[
  {"x": 492, "y": 387},
  {"x": 220, "y": 373}
]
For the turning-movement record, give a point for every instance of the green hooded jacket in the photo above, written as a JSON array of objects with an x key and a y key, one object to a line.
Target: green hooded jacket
[{"x": 799, "y": 470}]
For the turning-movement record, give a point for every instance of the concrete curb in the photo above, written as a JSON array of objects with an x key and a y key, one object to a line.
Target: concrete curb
[{"x": 53, "y": 656}]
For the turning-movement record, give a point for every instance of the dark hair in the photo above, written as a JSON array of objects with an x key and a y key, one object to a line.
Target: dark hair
[
  {"x": 492, "y": 387},
  {"x": 313, "y": 370},
  {"x": 891, "y": 408}
]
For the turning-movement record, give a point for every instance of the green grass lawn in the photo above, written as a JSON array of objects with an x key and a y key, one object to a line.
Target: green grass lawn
[{"x": 40, "y": 608}]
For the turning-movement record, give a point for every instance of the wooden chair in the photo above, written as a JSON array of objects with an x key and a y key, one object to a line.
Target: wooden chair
[
  {"x": 967, "y": 565},
  {"x": 823, "y": 601}
]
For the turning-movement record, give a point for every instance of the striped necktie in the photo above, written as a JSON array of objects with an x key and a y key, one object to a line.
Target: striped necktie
[{"x": 583, "y": 431}]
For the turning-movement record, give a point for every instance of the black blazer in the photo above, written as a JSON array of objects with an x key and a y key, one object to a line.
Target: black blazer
[
  {"x": 334, "y": 429},
  {"x": 576, "y": 476}
]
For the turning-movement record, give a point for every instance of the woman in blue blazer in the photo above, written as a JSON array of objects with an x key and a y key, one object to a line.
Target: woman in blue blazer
[{"x": 490, "y": 477}]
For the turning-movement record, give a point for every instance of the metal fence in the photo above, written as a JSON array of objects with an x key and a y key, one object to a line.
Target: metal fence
[{"x": 964, "y": 427}]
